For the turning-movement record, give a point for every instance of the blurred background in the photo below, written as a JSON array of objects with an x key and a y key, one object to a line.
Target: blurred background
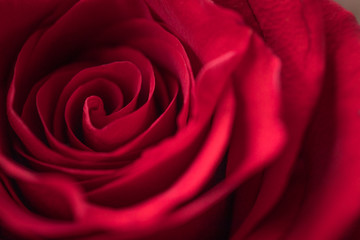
[{"x": 351, "y": 5}]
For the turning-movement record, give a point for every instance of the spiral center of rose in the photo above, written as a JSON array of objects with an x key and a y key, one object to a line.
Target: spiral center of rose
[{"x": 113, "y": 97}]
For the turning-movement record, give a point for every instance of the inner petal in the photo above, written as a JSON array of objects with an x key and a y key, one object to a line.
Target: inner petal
[
  {"x": 124, "y": 74},
  {"x": 105, "y": 91}
]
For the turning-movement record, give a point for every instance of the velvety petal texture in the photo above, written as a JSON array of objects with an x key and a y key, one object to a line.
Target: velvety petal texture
[
  {"x": 189, "y": 119},
  {"x": 314, "y": 79}
]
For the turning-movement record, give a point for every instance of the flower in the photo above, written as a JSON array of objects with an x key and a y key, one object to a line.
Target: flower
[{"x": 191, "y": 119}]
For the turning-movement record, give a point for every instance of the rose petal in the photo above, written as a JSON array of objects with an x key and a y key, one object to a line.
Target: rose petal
[
  {"x": 301, "y": 79},
  {"x": 43, "y": 192},
  {"x": 332, "y": 205}
]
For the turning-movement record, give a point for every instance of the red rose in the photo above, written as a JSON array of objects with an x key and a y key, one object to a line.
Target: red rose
[{"x": 160, "y": 119}]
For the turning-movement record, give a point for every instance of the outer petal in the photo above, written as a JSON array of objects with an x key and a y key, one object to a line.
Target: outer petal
[
  {"x": 19, "y": 18},
  {"x": 332, "y": 205},
  {"x": 321, "y": 200},
  {"x": 302, "y": 60},
  {"x": 198, "y": 24}
]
